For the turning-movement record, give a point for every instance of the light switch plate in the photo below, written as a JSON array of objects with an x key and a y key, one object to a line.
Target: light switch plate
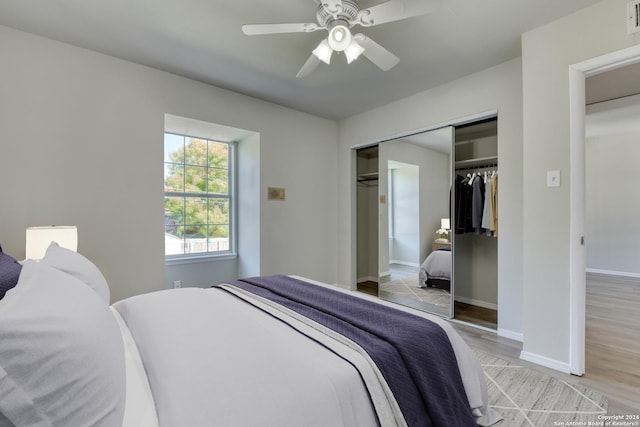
[{"x": 553, "y": 178}]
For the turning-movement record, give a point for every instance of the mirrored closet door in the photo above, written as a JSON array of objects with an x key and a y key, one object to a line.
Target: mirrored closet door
[{"x": 414, "y": 181}]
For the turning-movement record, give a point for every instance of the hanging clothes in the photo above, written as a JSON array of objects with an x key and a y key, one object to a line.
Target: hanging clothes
[
  {"x": 477, "y": 202},
  {"x": 493, "y": 205},
  {"x": 464, "y": 200},
  {"x": 485, "y": 210}
]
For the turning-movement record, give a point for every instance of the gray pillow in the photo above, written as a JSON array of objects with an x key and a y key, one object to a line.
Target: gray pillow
[
  {"x": 62, "y": 357},
  {"x": 77, "y": 266}
]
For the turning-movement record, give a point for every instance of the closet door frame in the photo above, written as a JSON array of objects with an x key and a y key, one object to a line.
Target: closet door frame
[{"x": 453, "y": 123}]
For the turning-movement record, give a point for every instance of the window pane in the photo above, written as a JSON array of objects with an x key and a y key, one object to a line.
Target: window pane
[
  {"x": 173, "y": 177},
  {"x": 195, "y": 180},
  {"x": 173, "y": 148},
  {"x": 195, "y": 231},
  {"x": 218, "y": 154},
  {"x": 173, "y": 213},
  {"x": 218, "y": 212},
  {"x": 173, "y": 245},
  {"x": 218, "y": 238},
  {"x": 219, "y": 181},
  {"x": 195, "y": 212},
  {"x": 195, "y": 152},
  {"x": 218, "y": 231},
  {"x": 195, "y": 239}
]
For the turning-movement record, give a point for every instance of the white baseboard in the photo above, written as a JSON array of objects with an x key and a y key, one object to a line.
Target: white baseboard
[
  {"x": 410, "y": 264},
  {"x": 546, "y": 362},
  {"x": 516, "y": 336},
  {"x": 367, "y": 279},
  {"x": 385, "y": 273},
  {"x": 613, "y": 273},
  {"x": 484, "y": 304}
]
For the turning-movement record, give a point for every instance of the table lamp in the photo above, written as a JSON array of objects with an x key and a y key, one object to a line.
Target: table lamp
[{"x": 39, "y": 239}]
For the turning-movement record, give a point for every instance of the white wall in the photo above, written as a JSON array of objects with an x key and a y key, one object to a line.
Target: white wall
[
  {"x": 498, "y": 88},
  {"x": 612, "y": 227},
  {"x": 547, "y": 53},
  {"x": 81, "y": 143},
  {"x": 476, "y": 269}
]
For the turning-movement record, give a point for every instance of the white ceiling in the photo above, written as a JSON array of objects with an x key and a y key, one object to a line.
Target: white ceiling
[{"x": 202, "y": 40}]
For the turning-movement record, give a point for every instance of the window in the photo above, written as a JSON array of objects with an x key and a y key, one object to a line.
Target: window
[{"x": 198, "y": 196}]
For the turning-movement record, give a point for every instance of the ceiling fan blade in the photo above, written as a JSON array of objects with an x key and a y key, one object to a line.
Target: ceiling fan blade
[
  {"x": 395, "y": 10},
  {"x": 308, "y": 67},
  {"x": 377, "y": 54},
  {"x": 259, "y": 29}
]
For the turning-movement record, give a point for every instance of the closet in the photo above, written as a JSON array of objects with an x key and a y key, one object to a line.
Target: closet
[
  {"x": 414, "y": 246},
  {"x": 475, "y": 226},
  {"x": 367, "y": 219}
]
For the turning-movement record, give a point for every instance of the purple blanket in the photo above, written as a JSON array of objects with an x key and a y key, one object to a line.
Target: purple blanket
[{"x": 413, "y": 353}]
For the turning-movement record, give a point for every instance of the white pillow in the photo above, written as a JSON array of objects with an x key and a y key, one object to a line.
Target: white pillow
[
  {"x": 79, "y": 267},
  {"x": 61, "y": 353}
]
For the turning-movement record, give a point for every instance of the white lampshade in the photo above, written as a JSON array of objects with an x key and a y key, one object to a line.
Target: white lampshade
[
  {"x": 339, "y": 38},
  {"x": 323, "y": 52},
  {"x": 445, "y": 223},
  {"x": 39, "y": 239},
  {"x": 353, "y": 51}
]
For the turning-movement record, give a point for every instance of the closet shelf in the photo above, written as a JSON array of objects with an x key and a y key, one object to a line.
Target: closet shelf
[
  {"x": 480, "y": 161},
  {"x": 371, "y": 176}
]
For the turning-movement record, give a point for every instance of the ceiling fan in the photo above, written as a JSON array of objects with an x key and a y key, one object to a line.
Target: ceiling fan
[{"x": 338, "y": 17}]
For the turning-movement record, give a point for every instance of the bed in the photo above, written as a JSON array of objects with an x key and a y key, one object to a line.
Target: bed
[
  {"x": 237, "y": 354},
  {"x": 435, "y": 271}
]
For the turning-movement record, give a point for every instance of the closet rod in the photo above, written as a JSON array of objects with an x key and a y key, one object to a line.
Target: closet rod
[{"x": 486, "y": 166}]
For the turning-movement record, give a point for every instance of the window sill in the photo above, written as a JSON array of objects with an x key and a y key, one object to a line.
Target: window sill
[{"x": 199, "y": 258}]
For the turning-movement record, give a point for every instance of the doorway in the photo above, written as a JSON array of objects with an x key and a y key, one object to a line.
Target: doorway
[
  {"x": 577, "y": 80},
  {"x": 612, "y": 337}
]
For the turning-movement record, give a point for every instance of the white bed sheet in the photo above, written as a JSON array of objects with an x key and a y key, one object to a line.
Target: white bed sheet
[
  {"x": 212, "y": 359},
  {"x": 140, "y": 409},
  {"x": 196, "y": 356}
]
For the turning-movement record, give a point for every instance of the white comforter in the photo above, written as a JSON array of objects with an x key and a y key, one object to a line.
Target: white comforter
[{"x": 201, "y": 357}]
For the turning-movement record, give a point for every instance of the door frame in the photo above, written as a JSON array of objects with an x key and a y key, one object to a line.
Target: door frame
[{"x": 577, "y": 115}]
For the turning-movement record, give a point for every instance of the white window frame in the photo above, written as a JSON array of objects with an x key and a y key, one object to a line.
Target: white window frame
[{"x": 232, "y": 197}]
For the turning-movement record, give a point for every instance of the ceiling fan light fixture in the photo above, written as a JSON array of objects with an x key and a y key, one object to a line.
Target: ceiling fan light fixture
[
  {"x": 323, "y": 52},
  {"x": 339, "y": 38},
  {"x": 353, "y": 51}
]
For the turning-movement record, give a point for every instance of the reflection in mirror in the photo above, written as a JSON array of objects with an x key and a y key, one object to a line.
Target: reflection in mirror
[{"x": 414, "y": 260}]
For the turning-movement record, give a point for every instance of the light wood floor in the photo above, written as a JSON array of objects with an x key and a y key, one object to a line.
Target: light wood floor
[
  {"x": 477, "y": 315},
  {"x": 612, "y": 343}
]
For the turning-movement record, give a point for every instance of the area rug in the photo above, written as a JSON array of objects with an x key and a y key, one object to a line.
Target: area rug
[
  {"x": 408, "y": 287},
  {"x": 525, "y": 397}
]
